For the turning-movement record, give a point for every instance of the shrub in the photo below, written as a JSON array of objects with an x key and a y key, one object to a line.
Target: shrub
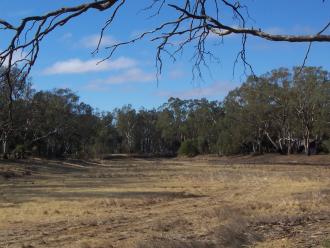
[
  {"x": 188, "y": 148},
  {"x": 228, "y": 144},
  {"x": 19, "y": 151},
  {"x": 325, "y": 146},
  {"x": 203, "y": 145}
]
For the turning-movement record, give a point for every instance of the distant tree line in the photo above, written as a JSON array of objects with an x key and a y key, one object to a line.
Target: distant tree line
[{"x": 284, "y": 111}]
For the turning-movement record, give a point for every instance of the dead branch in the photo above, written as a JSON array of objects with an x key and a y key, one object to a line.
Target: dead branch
[
  {"x": 23, "y": 48},
  {"x": 196, "y": 21}
]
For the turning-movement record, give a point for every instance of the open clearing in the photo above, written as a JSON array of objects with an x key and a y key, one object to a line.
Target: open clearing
[{"x": 205, "y": 202}]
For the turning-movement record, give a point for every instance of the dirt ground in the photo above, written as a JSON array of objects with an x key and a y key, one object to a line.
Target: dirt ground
[{"x": 266, "y": 201}]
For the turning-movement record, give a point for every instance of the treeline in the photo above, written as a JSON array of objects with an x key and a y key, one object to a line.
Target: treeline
[{"x": 284, "y": 111}]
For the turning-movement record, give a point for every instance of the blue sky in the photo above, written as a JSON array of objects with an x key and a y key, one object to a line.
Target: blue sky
[{"x": 65, "y": 59}]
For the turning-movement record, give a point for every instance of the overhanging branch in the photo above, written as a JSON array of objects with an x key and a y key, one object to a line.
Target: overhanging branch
[{"x": 221, "y": 29}]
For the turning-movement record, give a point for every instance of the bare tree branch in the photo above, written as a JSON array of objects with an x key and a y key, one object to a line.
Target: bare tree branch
[
  {"x": 196, "y": 21},
  {"x": 214, "y": 24},
  {"x": 27, "y": 36},
  {"x": 309, "y": 48}
]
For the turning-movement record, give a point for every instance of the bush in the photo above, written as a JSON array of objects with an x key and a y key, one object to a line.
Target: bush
[
  {"x": 19, "y": 152},
  {"x": 228, "y": 144},
  {"x": 325, "y": 146},
  {"x": 188, "y": 148},
  {"x": 203, "y": 145}
]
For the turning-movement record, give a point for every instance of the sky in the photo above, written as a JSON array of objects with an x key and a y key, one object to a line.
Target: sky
[{"x": 129, "y": 77}]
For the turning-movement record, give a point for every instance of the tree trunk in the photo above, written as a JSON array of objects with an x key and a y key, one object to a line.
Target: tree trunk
[
  {"x": 306, "y": 145},
  {"x": 5, "y": 146},
  {"x": 272, "y": 141},
  {"x": 289, "y": 148},
  {"x": 253, "y": 148}
]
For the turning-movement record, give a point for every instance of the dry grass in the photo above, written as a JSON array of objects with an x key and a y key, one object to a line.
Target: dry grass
[{"x": 164, "y": 203}]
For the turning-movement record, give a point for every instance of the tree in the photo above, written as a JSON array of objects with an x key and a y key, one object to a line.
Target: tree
[
  {"x": 13, "y": 109},
  {"x": 169, "y": 142},
  {"x": 53, "y": 123},
  {"x": 237, "y": 132},
  {"x": 283, "y": 111},
  {"x": 107, "y": 137},
  {"x": 147, "y": 132},
  {"x": 202, "y": 124},
  {"x": 60, "y": 125},
  {"x": 194, "y": 22},
  {"x": 311, "y": 89},
  {"x": 282, "y": 116},
  {"x": 126, "y": 123}
]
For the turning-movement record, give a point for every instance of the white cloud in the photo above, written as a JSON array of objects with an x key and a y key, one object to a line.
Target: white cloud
[
  {"x": 132, "y": 75},
  {"x": 215, "y": 89},
  {"x": 93, "y": 40},
  {"x": 176, "y": 74},
  {"x": 74, "y": 66}
]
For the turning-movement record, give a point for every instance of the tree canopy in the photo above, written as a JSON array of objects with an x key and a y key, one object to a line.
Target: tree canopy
[{"x": 284, "y": 111}]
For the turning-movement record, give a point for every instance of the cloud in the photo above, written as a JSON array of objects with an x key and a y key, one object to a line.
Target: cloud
[
  {"x": 132, "y": 75},
  {"x": 93, "y": 40},
  {"x": 176, "y": 74},
  {"x": 74, "y": 66},
  {"x": 215, "y": 89}
]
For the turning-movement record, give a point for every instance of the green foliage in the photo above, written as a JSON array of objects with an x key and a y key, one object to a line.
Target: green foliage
[
  {"x": 227, "y": 144},
  {"x": 284, "y": 111},
  {"x": 188, "y": 148},
  {"x": 325, "y": 146},
  {"x": 19, "y": 151}
]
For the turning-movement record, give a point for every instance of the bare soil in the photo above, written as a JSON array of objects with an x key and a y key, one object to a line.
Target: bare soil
[{"x": 243, "y": 201}]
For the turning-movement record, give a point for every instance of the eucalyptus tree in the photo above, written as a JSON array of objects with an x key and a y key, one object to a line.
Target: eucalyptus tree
[
  {"x": 193, "y": 22},
  {"x": 283, "y": 111},
  {"x": 311, "y": 95},
  {"x": 14, "y": 111},
  {"x": 202, "y": 123},
  {"x": 126, "y": 124}
]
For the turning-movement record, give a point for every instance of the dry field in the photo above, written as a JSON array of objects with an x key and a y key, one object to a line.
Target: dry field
[{"x": 204, "y": 202}]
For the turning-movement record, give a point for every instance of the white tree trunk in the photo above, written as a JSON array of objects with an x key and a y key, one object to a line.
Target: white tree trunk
[{"x": 5, "y": 145}]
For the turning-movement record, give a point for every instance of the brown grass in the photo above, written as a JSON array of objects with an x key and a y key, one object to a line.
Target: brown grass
[{"x": 164, "y": 203}]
